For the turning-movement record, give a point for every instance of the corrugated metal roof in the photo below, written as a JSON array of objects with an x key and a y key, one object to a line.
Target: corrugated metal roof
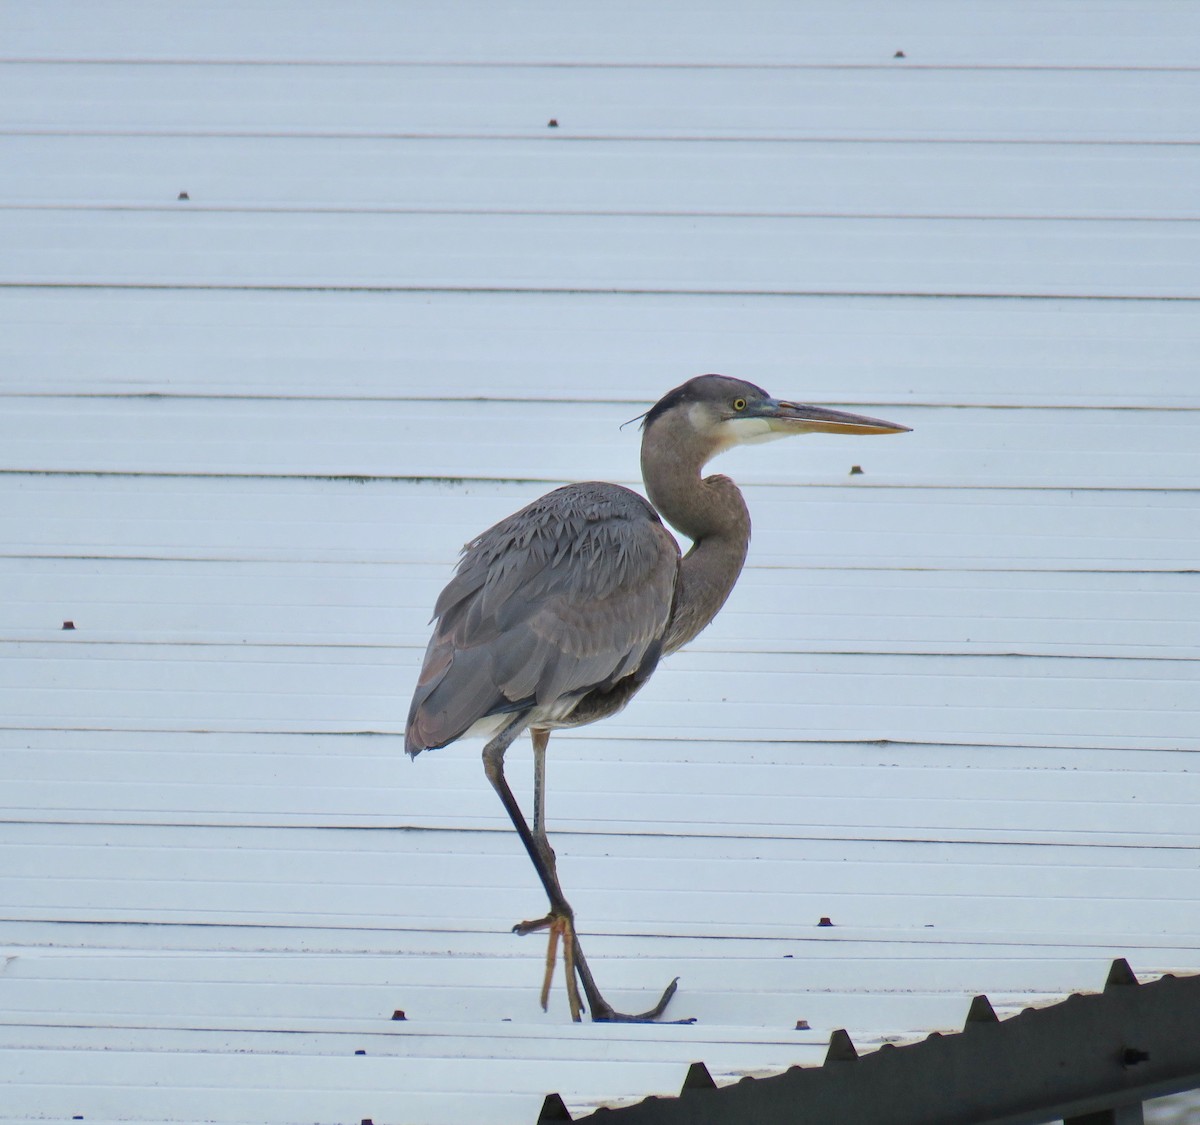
[
  {"x": 1074, "y": 1060},
  {"x": 951, "y": 706}
]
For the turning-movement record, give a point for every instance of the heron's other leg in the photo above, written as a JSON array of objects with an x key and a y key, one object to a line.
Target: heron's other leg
[
  {"x": 540, "y": 737},
  {"x": 559, "y": 924},
  {"x": 561, "y": 927}
]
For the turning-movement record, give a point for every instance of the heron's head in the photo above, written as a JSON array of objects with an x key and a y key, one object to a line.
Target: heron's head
[{"x": 714, "y": 413}]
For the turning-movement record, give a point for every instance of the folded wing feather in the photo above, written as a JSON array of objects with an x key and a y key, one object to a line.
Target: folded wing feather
[{"x": 570, "y": 595}]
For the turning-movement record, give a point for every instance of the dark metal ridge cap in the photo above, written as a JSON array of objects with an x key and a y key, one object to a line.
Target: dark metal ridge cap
[{"x": 1090, "y": 1053}]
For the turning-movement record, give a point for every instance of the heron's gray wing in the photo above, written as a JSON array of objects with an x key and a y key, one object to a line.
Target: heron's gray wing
[{"x": 570, "y": 594}]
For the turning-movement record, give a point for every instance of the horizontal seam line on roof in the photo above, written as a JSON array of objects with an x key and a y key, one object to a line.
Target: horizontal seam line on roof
[
  {"x": 170, "y": 396},
  {"x": 918, "y": 937},
  {"x": 242, "y": 644},
  {"x": 466, "y": 481},
  {"x": 540, "y": 135},
  {"x": 1179, "y": 746},
  {"x": 597, "y": 291},
  {"x": 1041, "y": 837},
  {"x": 752, "y": 834},
  {"x": 875, "y": 743},
  {"x": 147, "y": 207},
  {"x": 890, "y": 64},
  {"x": 441, "y": 566}
]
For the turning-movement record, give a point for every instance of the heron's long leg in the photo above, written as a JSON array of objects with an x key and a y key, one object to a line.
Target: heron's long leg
[
  {"x": 561, "y": 919},
  {"x": 560, "y": 927},
  {"x": 493, "y": 766},
  {"x": 540, "y": 737},
  {"x": 561, "y": 916}
]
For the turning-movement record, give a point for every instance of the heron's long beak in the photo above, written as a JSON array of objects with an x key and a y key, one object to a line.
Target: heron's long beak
[{"x": 793, "y": 418}]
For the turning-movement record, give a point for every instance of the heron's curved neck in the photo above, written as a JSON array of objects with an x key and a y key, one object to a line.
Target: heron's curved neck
[{"x": 709, "y": 511}]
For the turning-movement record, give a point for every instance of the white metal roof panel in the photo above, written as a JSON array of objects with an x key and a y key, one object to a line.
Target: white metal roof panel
[
  {"x": 950, "y": 707},
  {"x": 605, "y": 254},
  {"x": 623, "y": 175},
  {"x": 1119, "y": 35},
  {"x": 859, "y": 350},
  {"x": 885, "y": 100},
  {"x": 992, "y": 447}
]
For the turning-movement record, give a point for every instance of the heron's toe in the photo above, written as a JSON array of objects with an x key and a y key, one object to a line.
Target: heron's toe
[{"x": 556, "y": 918}]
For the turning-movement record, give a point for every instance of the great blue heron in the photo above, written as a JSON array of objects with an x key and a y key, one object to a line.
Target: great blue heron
[{"x": 560, "y": 613}]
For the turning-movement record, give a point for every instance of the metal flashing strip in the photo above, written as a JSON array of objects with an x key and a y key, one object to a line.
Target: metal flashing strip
[{"x": 1091, "y": 1058}]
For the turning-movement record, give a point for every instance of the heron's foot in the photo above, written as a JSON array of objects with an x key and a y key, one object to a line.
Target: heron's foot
[
  {"x": 562, "y": 931},
  {"x": 561, "y": 925}
]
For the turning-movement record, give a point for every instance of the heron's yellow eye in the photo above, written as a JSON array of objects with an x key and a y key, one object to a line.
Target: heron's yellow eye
[{"x": 739, "y": 404}]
